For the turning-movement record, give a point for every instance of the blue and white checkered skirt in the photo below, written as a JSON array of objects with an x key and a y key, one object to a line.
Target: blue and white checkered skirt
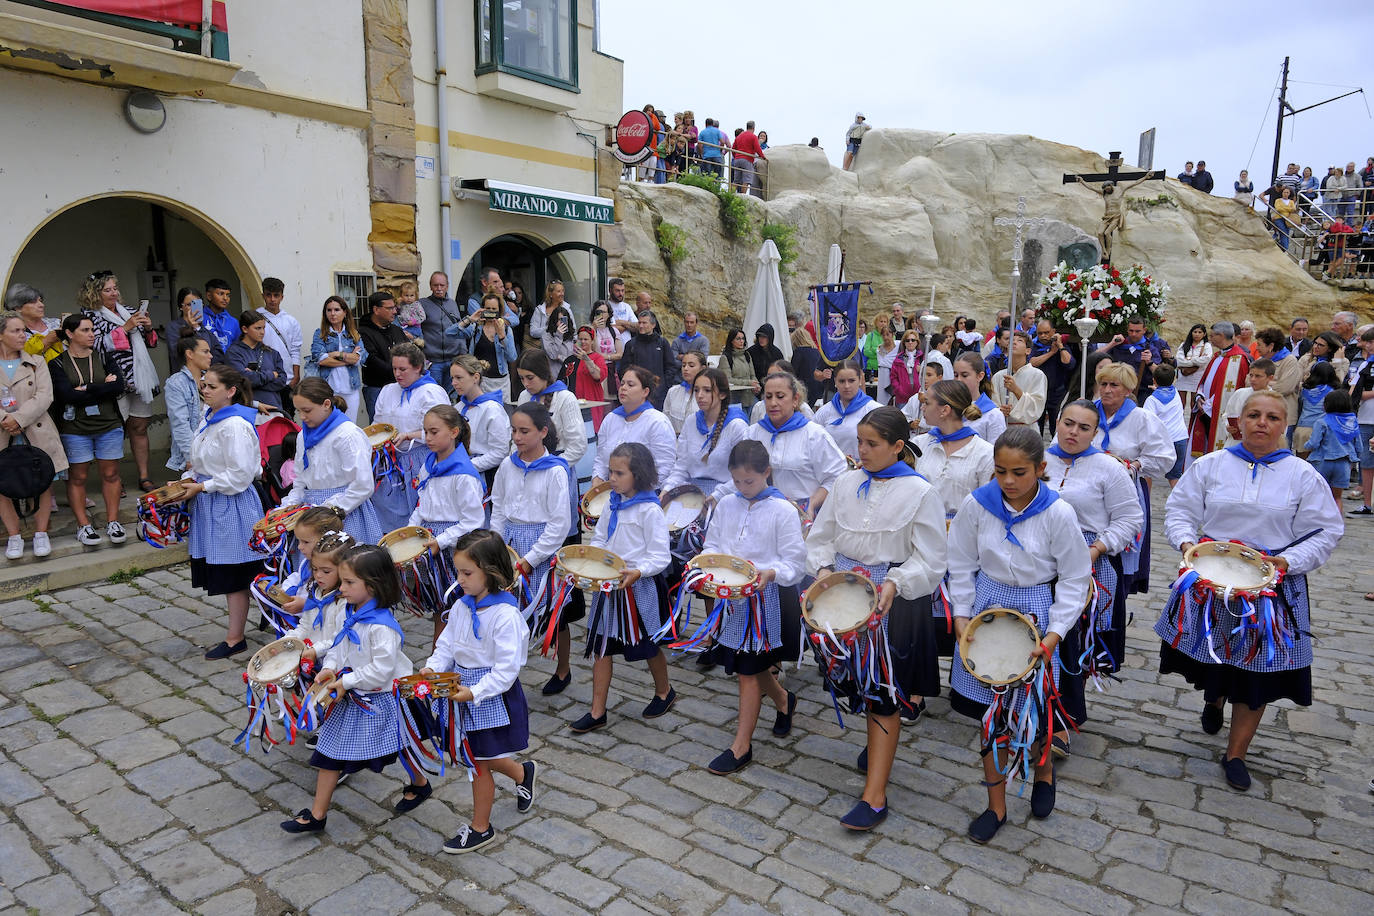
[
  {"x": 350, "y": 732},
  {"x": 1105, "y": 574},
  {"x": 362, "y": 523},
  {"x": 1034, "y": 601},
  {"x": 910, "y": 632},
  {"x": 1292, "y": 603},
  {"x": 603, "y": 624},
  {"x": 738, "y": 630},
  {"x": 521, "y": 538},
  {"x": 490, "y": 713},
  {"x": 498, "y": 726},
  {"x": 396, "y": 497},
  {"x": 221, "y": 525}
]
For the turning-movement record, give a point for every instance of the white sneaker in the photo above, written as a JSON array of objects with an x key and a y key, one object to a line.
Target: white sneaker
[
  {"x": 15, "y": 548},
  {"x": 115, "y": 532},
  {"x": 41, "y": 545},
  {"x": 86, "y": 535}
]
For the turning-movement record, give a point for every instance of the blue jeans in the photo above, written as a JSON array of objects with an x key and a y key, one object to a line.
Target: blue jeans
[
  {"x": 1281, "y": 228},
  {"x": 711, "y": 167},
  {"x": 370, "y": 399},
  {"x": 439, "y": 372}
]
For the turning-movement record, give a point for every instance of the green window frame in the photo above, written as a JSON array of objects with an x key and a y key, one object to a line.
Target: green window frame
[{"x": 532, "y": 39}]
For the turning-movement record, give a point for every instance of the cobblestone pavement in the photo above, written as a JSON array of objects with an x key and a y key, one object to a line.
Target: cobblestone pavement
[{"x": 120, "y": 792}]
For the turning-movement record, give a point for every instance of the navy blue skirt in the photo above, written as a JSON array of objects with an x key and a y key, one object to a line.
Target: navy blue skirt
[{"x": 505, "y": 740}]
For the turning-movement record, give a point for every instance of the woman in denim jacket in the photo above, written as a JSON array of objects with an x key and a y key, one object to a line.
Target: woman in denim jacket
[
  {"x": 490, "y": 339},
  {"x": 336, "y": 352}
]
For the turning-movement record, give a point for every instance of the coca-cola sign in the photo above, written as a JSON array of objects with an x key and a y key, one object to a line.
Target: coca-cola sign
[{"x": 634, "y": 138}]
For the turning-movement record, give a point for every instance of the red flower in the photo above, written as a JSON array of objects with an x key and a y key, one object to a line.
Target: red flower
[
  {"x": 1095, "y": 294},
  {"x": 1147, "y": 281},
  {"x": 1118, "y": 302},
  {"x": 1116, "y": 274},
  {"x": 1071, "y": 276},
  {"x": 1063, "y": 304},
  {"x": 1053, "y": 274}
]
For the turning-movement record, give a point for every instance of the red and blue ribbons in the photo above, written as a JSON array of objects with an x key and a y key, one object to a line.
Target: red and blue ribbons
[{"x": 159, "y": 526}]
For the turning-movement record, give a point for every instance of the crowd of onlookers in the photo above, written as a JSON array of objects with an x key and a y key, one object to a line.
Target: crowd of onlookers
[
  {"x": 1331, "y": 217},
  {"x": 680, "y": 146}
]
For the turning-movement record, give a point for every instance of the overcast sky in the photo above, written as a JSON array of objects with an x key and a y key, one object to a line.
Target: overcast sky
[{"x": 1090, "y": 75}]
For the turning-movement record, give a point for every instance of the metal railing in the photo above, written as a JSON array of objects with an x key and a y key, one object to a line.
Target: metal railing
[
  {"x": 694, "y": 159},
  {"x": 1307, "y": 238},
  {"x": 205, "y": 38}
]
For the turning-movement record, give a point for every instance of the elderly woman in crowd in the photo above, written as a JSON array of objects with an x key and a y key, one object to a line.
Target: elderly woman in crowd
[
  {"x": 125, "y": 337},
  {"x": 24, "y": 403},
  {"x": 42, "y": 332},
  {"x": 1326, "y": 348}
]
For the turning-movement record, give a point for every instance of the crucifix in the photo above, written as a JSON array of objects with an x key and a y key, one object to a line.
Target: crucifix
[
  {"x": 1113, "y": 215},
  {"x": 1020, "y": 223}
]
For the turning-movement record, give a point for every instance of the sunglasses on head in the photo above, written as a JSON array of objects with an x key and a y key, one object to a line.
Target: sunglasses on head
[{"x": 101, "y": 275}]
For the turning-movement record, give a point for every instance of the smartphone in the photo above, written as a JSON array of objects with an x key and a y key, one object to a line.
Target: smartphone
[
  {"x": 143, "y": 306},
  {"x": 197, "y": 310}
]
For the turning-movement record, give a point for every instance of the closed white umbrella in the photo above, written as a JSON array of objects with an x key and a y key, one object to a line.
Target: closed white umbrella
[
  {"x": 834, "y": 266},
  {"x": 766, "y": 305}
]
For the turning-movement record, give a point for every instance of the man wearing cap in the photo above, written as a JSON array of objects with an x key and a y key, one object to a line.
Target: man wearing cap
[{"x": 853, "y": 138}]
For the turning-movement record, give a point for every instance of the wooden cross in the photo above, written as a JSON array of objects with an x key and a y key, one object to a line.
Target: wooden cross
[
  {"x": 1113, "y": 173},
  {"x": 1020, "y": 222},
  {"x": 1113, "y": 195}
]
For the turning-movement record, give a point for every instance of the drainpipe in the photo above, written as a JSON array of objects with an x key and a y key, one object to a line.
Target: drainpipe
[{"x": 441, "y": 92}]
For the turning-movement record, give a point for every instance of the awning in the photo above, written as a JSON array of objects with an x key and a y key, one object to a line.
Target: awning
[{"x": 547, "y": 202}]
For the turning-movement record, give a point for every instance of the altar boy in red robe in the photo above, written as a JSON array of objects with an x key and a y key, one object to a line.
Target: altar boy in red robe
[{"x": 1223, "y": 374}]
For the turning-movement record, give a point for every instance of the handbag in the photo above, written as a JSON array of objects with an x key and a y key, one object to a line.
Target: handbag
[{"x": 25, "y": 471}]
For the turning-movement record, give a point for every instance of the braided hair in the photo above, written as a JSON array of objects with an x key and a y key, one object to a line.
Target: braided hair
[{"x": 722, "y": 385}]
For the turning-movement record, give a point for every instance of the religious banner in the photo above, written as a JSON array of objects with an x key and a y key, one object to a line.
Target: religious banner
[{"x": 835, "y": 315}]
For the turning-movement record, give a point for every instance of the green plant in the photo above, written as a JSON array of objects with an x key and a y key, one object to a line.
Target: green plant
[
  {"x": 1145, "y": 204},
  {"x": 734, "y": 215},
  {"x": 785, "y": 237},
  {"x": 672, "y": 242},
  {"x": 125, "y": 576},
  {"x": 699, "y": 180}
]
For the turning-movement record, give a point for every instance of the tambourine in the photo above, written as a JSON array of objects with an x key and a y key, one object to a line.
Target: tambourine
[
  {"x": 594, "y": 503},
  {"x": 1000, "y": 655},
  {"x": 1228, "y": 567},
  {"x": 277, "y": 663},
  {"x": 441, "y": 684},
  {"x": 277, "y": 522},
  {"x": 379, "y": 434},
  {"x": 406, "y": 544},
  {"x": 839, "y": 603},
  {"x": 684, "y": 506},
  {"x": 591, "y": 568},
  {"x": 174, "y": 492},
  {"x": 725, "y": 576}
]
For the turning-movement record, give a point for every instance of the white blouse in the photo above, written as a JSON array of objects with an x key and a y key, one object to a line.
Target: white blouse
[
  {"x": 321, "y": 636},
  {"x": 1285, "y": 500},
  {"x": 567, "y": 420},
  {"x": 503, "y": 647},
  {"x": 692, "y": 460},
  {"x": 954, "y": 476},
  {"x": 990, "y": 425},
  {"x": 1099, "y": 489},
  {"x": 1031, "y": 404},
  {"x": 900, "y": 521},
  {"x": 534, "y": 498},
  {"x": 766, "y": 532},
  {"x": 846, "y": 434},
  {"x": 759, "y": 410},
  {"x": 407, "y": 416},
  {"x": 650, "y": 428},
  {"x": 1196, "y": 356},
  {"x": 456, "y": 498},
  {"x": 803, "y": 460},
  {"x": 376, "y": 660},
  {"x": 228, "y": 454},
  {"x": 640, "y": 539},
  {"x": 1141, "y": 438},
  {"x": 678, "y": 406},
  {"x": 490, "y": 442},
  {"x": 343, "y": 459},
  {"x": 1051, "y": 545}
]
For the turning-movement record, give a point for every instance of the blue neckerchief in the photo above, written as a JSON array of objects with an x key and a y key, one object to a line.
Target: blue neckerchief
[
  {"x": 619, "y": 502},
  {"x": 544, "y": 462},
  {"x": 314, "y": 435},
  {"x": 995, "y": 352},
  {"x": 457, "y": 462},
  {"x": 629, "y": 415},
  {"x": 550, "y": 390},
  {"x": 1038, "y": 348},
  {"x": 685, "y": 386},
  {"x": 1165, "y": 394},
  {"x": 489, "y": 600},
  {"x": 685, "y": 336},
  {"x": 319, "y": 603},
  {"x": 765, "y": 493},
  {"x": 989, "y": 496},
  {"x": 985, "y": 404},
  {"x": 734, "y": 413},
  {"x": 1107, "y": 426},
  {"x": 1313, "y": 397},
  {"x": 422, "y": 381},
  {"x": 469, "y": 403},
  {"x": 1058, "y": 452},
  {"x": 856, "y": 404},
  {"x": 1281, "y": 355},
  {"x": 796, "y": 421},
  {"x": 897, "y": 468},
  {"x": 305, "y": 579},
  {"x": 231, "y": 410},
  {"x": 1243, "y": 453},
  {"x": 1344, "y": 426},
  {"x": 367, "y": 613},
  {"x": 962, "y": 432}
]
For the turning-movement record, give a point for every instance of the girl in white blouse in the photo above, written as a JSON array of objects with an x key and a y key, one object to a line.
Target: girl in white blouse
[
  {"x": 680, "y": 403},
  {"x": 531, "y": 486},
  {"x": 310, "y": 526},
  {"x": 403, "y": 404},
  {"x": 758, "y": 524},
  {"x": 950, "y": 455},
  {"x": 972, "y": 372},
  {"x": 1020, "y": 388},
  {"x": 487, "y": 642},
  {"x": 322, "y": 610},
  {"x": 883, "y": 519},
  {"x": 635, "y": 420},
  {"x": 703, "y": 447},
  {"x": 333, "y": 461},
  {"x": 1101, "y": 493},
  {"x": 361, "y": 731},
  {"x": 224, "y": 503},
  {"x": 840, "y": 415},
  {"x": 486, "y": 414},
  {"x": 449, "y": 487},
  {"x": 1193, "y": 354},
  {"x": 1015, "y": 543},
  {"x": 635, "y": 529}
]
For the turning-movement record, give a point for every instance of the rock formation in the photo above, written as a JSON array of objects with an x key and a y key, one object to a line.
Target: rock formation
[{"x": 919, "y": 210}]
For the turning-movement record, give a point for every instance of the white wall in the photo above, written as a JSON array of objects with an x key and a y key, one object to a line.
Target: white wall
[{"x": 308, "y": 48}]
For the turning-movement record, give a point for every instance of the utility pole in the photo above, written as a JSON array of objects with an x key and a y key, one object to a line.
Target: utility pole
[{"x": 1287, "y": 111}]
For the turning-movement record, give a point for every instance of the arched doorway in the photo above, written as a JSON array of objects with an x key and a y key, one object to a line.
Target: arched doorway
[{"x": 581, "y": 266}]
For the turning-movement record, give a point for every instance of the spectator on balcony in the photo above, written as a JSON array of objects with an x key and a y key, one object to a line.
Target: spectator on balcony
[
  {"x": 1367, "y": 179},
  {"x": 1202, "y": 179},
  {"x": 712, "y": 143},
  {"x": 1245, "y": 189},
  {"x": 1284, "y": 209},
  {"x": 1331, "y": 188},
  {"x": 742, "y": 162},
  {"x": 1186, "y": 176},
  {"x": 1290, "y": 179},
  {"x": 763, "y": 139},
  {"x": 1308, "y": 189},
  {"x": 648, "y": 167},
  {"x": 675, "y": 162},
  {"x": 1352, "y": 192}
]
